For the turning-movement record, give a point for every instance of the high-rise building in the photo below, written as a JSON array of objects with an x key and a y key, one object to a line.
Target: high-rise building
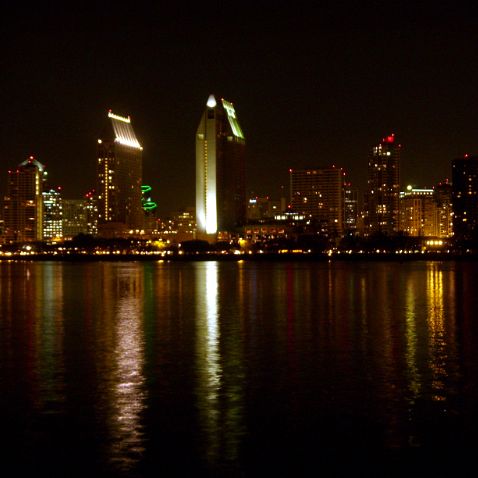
[
  {"x": 119, "y": 179},
  {"x": 465, "y": 197},
  {"x": 319, "y": 194},
  {"x": 381, "y": 214},
  {"x": 90, "y": 204},
  {"x": 427, "y": 212},
  {"x": 305, "y": 193},
  {"x": 443, "y": 199},
  {"x": 23, "y": 205},
  {"x": 220, "y": 171},
  {"x": 52, "y": 214},
  {"x": 74, "y": 218},
  {"x": 350, "y": 208},
  {"x": 418, "y": 212},
  {"x": 79, "y": 216}
]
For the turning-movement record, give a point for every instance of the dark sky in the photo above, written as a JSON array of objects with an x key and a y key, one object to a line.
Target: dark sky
[{"x": 312, "y": 86}]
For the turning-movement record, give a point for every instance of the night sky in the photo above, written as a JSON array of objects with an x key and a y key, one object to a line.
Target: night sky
[{"x": 312, "y": 86}]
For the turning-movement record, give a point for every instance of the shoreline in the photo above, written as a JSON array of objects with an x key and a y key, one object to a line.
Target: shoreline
[{"x": 266, "y": 257}]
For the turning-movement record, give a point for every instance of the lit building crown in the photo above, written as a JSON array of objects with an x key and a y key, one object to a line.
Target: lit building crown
[
  {"x": 211, "y": 102},
  {"x": 231, "y": 116},
  {"x": 124, "y": 133},
  {"x": 32, "y": 160}
]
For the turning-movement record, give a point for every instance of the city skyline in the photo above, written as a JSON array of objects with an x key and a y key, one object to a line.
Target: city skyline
[{"x": 313, "y": 87}]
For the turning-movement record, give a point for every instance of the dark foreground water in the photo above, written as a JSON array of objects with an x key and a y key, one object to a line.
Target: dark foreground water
[{"x": 238, "y": 369}]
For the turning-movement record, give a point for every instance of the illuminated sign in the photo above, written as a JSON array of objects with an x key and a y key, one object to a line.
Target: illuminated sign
[{"x": 146, "y": 202}]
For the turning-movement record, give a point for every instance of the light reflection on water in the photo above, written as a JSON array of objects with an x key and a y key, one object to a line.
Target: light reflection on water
[
  {"x": 128, "y": 393},
  {"x": 219, "y": 365},
  {"x": 246, "y": 361},
  {"x": 208, "y": 359},
  {"x": 51, "y": 336},
  {"x": 415, "y": 379},
  {"x": 442, "y": 329}
]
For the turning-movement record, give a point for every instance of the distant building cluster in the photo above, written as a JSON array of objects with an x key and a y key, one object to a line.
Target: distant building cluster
[{"x": 321, "y": 203}]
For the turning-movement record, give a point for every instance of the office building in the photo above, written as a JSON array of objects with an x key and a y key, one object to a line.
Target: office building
[
  {"x": 119, "y": 179},
  {"x": 465, "y": 197},
  {"x": 381, "y": 211},
  {"x": 52, "y": 214},
  {"x": 23, "y": 204},
  {"x": 220, "y": 171}
]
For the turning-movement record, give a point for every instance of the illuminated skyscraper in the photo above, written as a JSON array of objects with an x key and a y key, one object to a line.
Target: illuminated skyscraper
[
  {"x": 465, "y": 197},
  {"x": 52, "y": 214},
  {"x": 220, "y": 170},
  {"x": 119, "y": 179},
  {"x": 23, "y": 205},
  {"x": 383, "y": 188}
]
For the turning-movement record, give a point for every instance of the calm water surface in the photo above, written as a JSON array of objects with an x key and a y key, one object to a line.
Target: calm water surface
[{"x": 238, "y": 369}]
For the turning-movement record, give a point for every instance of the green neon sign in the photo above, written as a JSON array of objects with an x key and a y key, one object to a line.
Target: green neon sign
[{"x": 146, "y": 202}]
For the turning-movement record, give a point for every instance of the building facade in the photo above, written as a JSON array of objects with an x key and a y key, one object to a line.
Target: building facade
[
  {"x": 52, "y": 214},
  {"x": 80, "y": 216},
  {"x": 351, "y": 208},
  {"x": 381, "y": 202},
  {"x": 261, "y": 208},
  {"x": 23, "y": 203},
  {"x": 119, "y": 179},
  {"x": 465, "y": 197},
  {"x": 443, "y": 199},
  {"x": 74, "y": 218},
  {"x": 220, "y": 171},
  {"x": 419, "y": 212},
  {"x": 319, "y": 194},
  {"x": 180, "y": 226}
]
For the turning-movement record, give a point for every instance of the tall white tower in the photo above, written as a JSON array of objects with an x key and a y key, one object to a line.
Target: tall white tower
[{"x": 220, "y": 171}]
